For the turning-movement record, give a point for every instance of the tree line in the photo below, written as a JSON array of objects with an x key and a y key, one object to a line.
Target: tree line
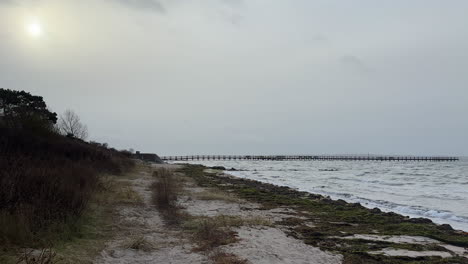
[{"x": 20, "y": 109}]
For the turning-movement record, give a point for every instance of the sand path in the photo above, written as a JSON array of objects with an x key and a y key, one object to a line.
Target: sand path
[{"x": 142, "y": 236}]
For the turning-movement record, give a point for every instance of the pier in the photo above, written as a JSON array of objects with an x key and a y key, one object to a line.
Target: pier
[{"x": 309, "y": 157}]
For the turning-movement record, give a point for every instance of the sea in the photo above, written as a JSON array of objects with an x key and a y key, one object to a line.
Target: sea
[{"x": 434, "y": 190}]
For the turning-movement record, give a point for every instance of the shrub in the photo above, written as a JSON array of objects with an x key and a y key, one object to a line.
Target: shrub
[
  {"x": 165, "y": 193},
  {"x": 46, "y": 181},
  {"x": 164, "y": 190},
  {"x": 209, "y": 234}
]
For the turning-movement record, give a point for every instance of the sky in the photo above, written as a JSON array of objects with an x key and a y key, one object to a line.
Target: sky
[{"x": 178, "y": 77}]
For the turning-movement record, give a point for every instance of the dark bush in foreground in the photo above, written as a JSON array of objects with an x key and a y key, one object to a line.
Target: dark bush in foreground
[{"x": 46, "y": 181}]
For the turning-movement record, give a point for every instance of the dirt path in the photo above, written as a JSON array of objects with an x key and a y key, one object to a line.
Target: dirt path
[{"x": 143, "y": 237}]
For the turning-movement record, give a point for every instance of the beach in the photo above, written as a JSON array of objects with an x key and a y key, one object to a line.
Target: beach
[{"x": 265, "y": 223}]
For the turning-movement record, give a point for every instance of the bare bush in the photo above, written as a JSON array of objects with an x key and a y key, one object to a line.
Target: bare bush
[{"x": 69, "y": 124}]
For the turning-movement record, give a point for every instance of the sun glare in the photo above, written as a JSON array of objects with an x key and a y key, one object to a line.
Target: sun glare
[{"x": 34, "y": 29}]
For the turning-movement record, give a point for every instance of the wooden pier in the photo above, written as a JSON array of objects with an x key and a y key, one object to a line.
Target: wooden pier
[{"x": 308, "y": 157}]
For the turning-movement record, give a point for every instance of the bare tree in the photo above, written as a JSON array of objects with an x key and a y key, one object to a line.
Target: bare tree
[{"x": 69, "y": 124}]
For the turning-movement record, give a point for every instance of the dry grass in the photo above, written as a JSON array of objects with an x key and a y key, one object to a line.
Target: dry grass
[
  {"x": 220, "y": 257},
  {"x": 208, "y": 235},
  {"x": 98, "y": 225},
  {"x": 213, "y": 194},
  {"x": 211, "y": 232},
  {"x": 45, "y": 256},
  {"x": 128, "y": 195},
  {"x": 122, "y": 192},
  {"x": 165, "y": 192},
  {"x": 139, "y": 243},
  {"x": 164, "y": 189},
  {"x": 258, "y": 221}
]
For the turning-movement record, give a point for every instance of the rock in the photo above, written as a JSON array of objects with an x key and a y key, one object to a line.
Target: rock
[
  {"x": 446, "y": 227},
  {"x": 376, "y": 210},
  {"x": 394, "y": 215},
  {"x": 232, "y": 169},
  {"x": 316, "y": 234},
  {"x": 356, "y": 205},
  {"x": 341, "y": 202},
  {"x": 420, "y": 220},
  {"x": 315, "y": 196},
  {"x": 218, "y": 168}
]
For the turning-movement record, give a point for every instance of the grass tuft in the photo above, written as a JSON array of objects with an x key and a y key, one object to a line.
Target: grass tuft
[
  {"x": 139, "y": 243},
  {"x": 220, "y": 257},
  {"x": 208, "y": 235}
]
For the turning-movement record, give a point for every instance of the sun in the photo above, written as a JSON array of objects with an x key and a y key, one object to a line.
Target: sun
[{"x": 34, "y": 29}]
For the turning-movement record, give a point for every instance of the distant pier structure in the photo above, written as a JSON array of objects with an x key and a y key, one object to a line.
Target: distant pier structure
[
  {"x": 309, "y": 157},
  {"x": 147, "y": 157}
]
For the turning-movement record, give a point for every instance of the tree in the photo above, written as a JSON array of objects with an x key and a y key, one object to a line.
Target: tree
[
  {"x": 20, "y": 108},
  {"x": 69, "y": 124}
]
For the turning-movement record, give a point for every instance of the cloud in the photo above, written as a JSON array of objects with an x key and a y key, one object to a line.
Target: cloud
[{"x": 150, "y": 5}]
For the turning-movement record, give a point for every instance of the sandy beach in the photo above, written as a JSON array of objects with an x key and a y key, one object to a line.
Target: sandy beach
[{"x": 262, "y": 228}]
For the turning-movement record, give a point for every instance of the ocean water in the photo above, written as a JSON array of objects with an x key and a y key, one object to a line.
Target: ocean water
[{"x": 435, "y": 190}]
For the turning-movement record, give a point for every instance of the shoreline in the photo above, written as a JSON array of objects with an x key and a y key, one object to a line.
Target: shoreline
[
  {"x": 370, "y": 204},
  {"x": 339, "y": 200},
  {"x": 396, "y": 200},
  {"x": 326, "y": 223}
]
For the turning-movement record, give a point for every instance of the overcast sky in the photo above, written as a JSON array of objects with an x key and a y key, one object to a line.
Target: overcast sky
[{"x": 248, "y": 76}]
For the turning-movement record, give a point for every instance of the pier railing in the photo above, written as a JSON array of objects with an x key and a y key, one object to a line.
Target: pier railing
[{"x": 307, "y": 157}]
